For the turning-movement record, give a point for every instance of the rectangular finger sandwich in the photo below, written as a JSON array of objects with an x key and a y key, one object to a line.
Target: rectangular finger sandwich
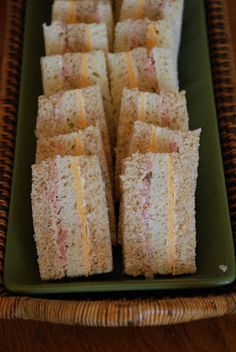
[
  {"x": 167, "y": 109},
  {"x": 86, "y": 142},
  {"x": 70, "y": 218},
  {"x": 157, "y": 214},
  {"x": 70, "y": 111},
  {"x": 84, "y": 11},
  {"x": 61, "y": 38},
  {"x": 149, "y": 71},
  {"x": 77, "y": 70}
]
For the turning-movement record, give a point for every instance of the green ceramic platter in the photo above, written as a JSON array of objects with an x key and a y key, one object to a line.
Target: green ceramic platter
[{"x": 214, "y": 236}]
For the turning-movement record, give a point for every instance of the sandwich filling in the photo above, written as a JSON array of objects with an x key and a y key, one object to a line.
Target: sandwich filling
[
  {"x": 153, "y": 147},
  {"x": 63, "y": 31},
  {"x": 87, "y": 39},
  {"x": 142, "y": 106},
  {"x": 139, "y": 9},
  {"x": 132, "y": 72},
  {"x": 58, "y": 108},
  {"x": 81, "y": 209},
  {"x": 72, "y": 14},
  {"x": 151, "y": 37},
  {"x": 79, "y": 149},
  {"x": 54, "y": 205},
  {"x": 151, "y": 74},
  {"x": 163, "y": 108},
  {"x": 135, "y": 33},
  {"x": 65, "y": 71}
]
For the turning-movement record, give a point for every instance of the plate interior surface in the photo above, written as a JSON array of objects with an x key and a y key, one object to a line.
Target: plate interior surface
[{"x": 214, "y": 236}]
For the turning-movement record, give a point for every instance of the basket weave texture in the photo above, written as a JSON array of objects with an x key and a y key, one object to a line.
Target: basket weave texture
[{"x": 118, "y": 312}]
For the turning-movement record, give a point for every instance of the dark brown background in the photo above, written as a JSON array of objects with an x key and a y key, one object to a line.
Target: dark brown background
[{"x": 216, "y": 335}]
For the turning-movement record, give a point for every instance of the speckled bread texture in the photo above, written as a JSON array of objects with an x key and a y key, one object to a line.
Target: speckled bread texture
[
  {"x": 149, "y": 138},
  {"x": 155, "y": 10},
  {"x": 157, "y": 221},
  {"x": 131, "y": 34},
  {"x": 138, "y": 9},
  {"x": 168, "y": 109},
  {"x": 85, "y": 11},
  {"x": 174, "y": 11},
  {"x": 87, "y": 142},
  {"x": 63, "y": 248},
  {"x": 77, "y": 70},
  {"x": 70, "y": 111},
  {"x": 138, "y": 68},
  {"x": 60, "y": 38}
]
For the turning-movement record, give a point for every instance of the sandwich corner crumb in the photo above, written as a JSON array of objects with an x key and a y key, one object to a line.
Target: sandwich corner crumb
[{"x": 223, "y": 267}]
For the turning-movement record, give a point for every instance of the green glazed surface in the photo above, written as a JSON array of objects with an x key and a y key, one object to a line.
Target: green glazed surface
[{"x": 214, "y": 236}]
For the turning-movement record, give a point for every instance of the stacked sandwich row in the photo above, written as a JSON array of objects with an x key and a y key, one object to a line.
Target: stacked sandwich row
[{"x": 97, "y": 101}]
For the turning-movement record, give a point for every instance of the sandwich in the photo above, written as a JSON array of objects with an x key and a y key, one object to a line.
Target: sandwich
[
  {"x": 70, "y": 218},
  {"x": 70, "y": 111},
  {"x": 60, "y": 38},
  {"x": 152, "y": 9},
  {"x": 131, "y": 34},
  {"x": 77, "y": 70},
  {"x": 149, "y": 71},
  {"x": 157, "y": 214},
  {"x": 155, "y": 10},
  {"x": 86, "y": 142},
  {"x": 84, "y": 11},
  {"x": 167, "y": 109},
  {"x": 149, "y": 138}
]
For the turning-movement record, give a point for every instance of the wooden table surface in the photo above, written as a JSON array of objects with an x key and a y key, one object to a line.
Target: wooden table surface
[{"x": 217, "y": 335}]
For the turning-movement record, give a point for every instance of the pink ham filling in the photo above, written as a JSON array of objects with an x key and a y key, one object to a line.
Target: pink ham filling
[
  {"x": 151, "y": 74},
  {"x": 144, "y": 201},
  {"x": 161, "y": 8},
  {"x": 59, "y": 150},
  {"x": 51, "y": 195},
  {"x": 65, "y": 72},
  {"x": 58, "y": 109},
  {"x": 63, "y": 29},
  {"x": 97, "y": 17},
  {"x": 173, "y": 147},
  {"x": 135, "y": 33},
  {"x": 165, "y": 119},
  {"x": 162, "y": 5}
]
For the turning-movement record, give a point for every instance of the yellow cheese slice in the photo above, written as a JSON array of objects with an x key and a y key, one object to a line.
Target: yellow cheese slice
[
  {"x": 84, "y": 70},
  {"x": 72, "y": 15},
  {"x": 79, "y": 149},
  {"x": 139, "y": 9},
  {"x": 170, "y": 214},
  {"x": 153, "y": 142},
  {"x": 82, "y": 213},
  {"x": 133, "y": 82},
  {"x": 83, "y": 123},
  {"x": 151, "y": 37},
  {"x": 142, "y": 106},
  {"x": 87, "y": 41}
]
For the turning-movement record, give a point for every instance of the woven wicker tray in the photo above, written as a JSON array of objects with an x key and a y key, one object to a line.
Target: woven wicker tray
[{"x": 120, "y": 311}]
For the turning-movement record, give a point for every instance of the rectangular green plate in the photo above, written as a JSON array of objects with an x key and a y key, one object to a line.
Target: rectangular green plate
[{"x": 214, "y": 237}]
